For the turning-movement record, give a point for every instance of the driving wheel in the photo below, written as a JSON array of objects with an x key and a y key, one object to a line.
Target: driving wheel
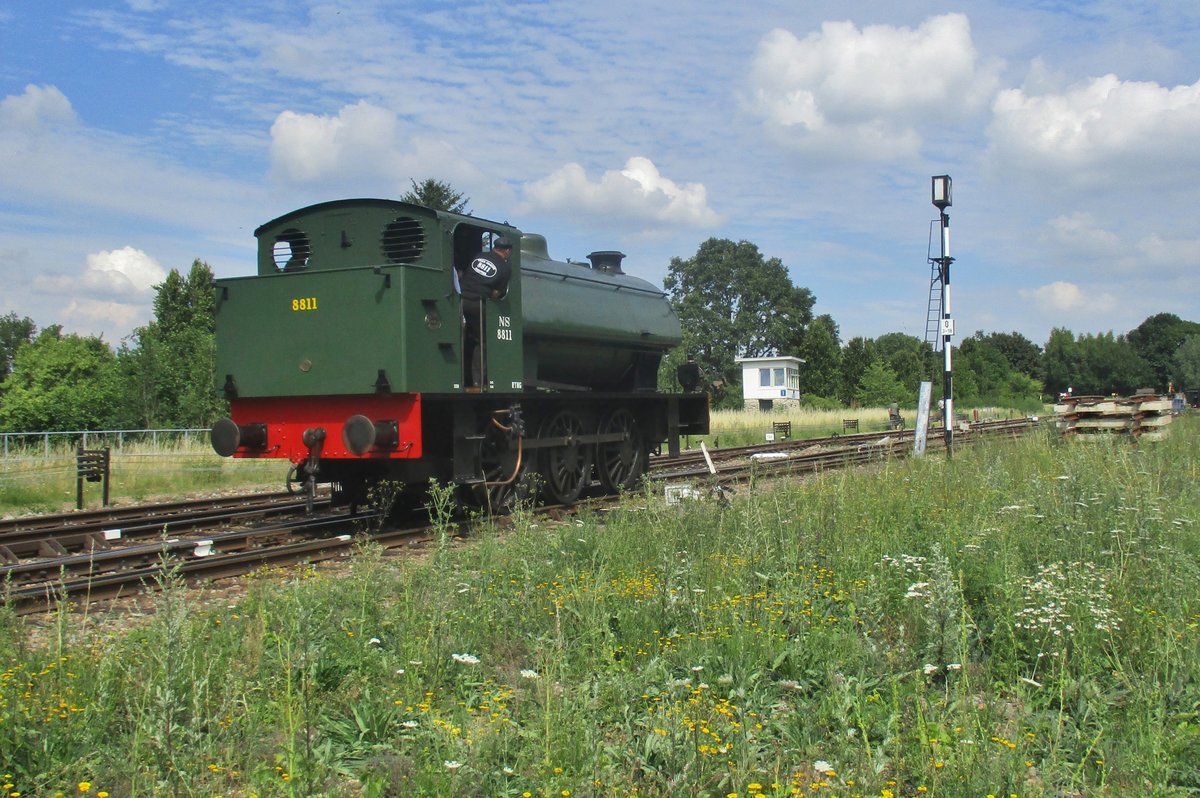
[
  {"x": 620, "y": 464},
  {"x": 567, "y": 465}
]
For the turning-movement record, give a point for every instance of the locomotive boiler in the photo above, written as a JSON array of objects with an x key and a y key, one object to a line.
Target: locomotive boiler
[{"x": 346, "y": 355}]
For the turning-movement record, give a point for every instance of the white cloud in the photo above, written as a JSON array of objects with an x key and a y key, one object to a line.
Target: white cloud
[
  {"x": 1063, "y": 297},
  {"x": 38, "y": 106},
  {"x": 865, "y": 92},
  {"x": 94, "y": 317},
  {"x": 362, "y": 147},
  {"x": 1097, "y": 124},
  {"x": 308, "y": 147},
  {"x": 1082, "y": 233},
  {"x": 117, "y": 273},
  {"x": 637, "y": 193},
  {"x": 1171, "y": 255},
  {"x": 48, "y": 159},
  {"x": 147, "y": 5},
  {"x": 123, "y": 270}
]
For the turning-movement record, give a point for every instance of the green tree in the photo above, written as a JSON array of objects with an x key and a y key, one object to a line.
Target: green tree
[
  {"x": 1186, "y": 365},
  {"x": 909, "y": 357},
  {"x": 857, "y": 355},
  {"x": 437, "y": 195},
  {"x": 821, "y": 373},
  {"x": 62, "y": 382},
  {"x": 988, "y": 364},
  {"x": 15, "y": 332},
  {"x": 733, "y": 302},
  {"x": 966, "y": 388},
  {"x": 1022, "y": 354},
  {"x": 991, "y": 376},
  {"x": 1061, "y": 362},
  {"x": 169, "y": 372},
  {"x": 1109, "y": 364},
  {"x": 880, "y": 386},
  {"x": 1156, "y": 340}
]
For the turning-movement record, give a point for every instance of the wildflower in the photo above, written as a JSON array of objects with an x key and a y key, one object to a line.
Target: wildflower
[
  {"x": 821, "y": 766},
  {"x": 410, "y": 724},
  {"x": 465, "y": 659},
  {"x": 527, "y": 673},
  {"x": 930, "y": 669},
  {"x": 374, "y": 641},
  {"x": 399, "y": 671},
  {"x": 954, "y": 666},
  {"x": 917, "y": 590},
  {"x": 452, "y": 765},
  {"x": 85, "y": 786}
]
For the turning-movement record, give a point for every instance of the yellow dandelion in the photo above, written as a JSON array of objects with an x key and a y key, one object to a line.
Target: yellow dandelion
[{"x": 85, "y": 786}]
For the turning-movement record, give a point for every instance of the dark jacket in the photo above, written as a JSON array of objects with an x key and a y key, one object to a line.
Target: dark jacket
[{"x": 486, "y": 272}]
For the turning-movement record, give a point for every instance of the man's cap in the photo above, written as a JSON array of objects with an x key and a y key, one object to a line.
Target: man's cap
[{"x": 502, "y": 243}]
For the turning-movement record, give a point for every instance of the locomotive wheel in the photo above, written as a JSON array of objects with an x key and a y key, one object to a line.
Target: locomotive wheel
[
  {"x": 620, "y": 464},
  {"x": 565, "y": 469}
]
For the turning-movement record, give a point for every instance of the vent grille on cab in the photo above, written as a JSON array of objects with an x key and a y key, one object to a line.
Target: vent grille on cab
[{"x": 403, "y": 240}]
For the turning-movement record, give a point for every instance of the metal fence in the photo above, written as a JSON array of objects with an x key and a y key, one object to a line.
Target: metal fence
[{"x": 48, "y": 444}]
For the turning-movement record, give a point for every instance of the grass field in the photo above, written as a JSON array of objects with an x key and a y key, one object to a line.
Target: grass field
[
  {"x": 1020, "y": 621},
  {"x": 37, "y": 481},
  {"x": 44, "y": 480}
]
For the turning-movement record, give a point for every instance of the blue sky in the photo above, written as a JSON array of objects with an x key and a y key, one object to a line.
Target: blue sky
[{"x": 136, "y": 136}]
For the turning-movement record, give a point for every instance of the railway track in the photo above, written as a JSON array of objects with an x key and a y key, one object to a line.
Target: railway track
[
  {"x": 815, "y": 454},
  {"x": 86, "y": 557},
  {"x": 63, "y": 534}
]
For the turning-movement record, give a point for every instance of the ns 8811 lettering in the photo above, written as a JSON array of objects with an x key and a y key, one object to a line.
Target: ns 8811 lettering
[{"x": 305, "y": 303}]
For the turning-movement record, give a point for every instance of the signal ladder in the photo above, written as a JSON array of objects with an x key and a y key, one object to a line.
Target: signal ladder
[{"x": 933, "y": 317}]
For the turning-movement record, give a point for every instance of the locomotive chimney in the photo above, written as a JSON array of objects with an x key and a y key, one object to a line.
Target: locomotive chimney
[{"x": 607, "y": 260}]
